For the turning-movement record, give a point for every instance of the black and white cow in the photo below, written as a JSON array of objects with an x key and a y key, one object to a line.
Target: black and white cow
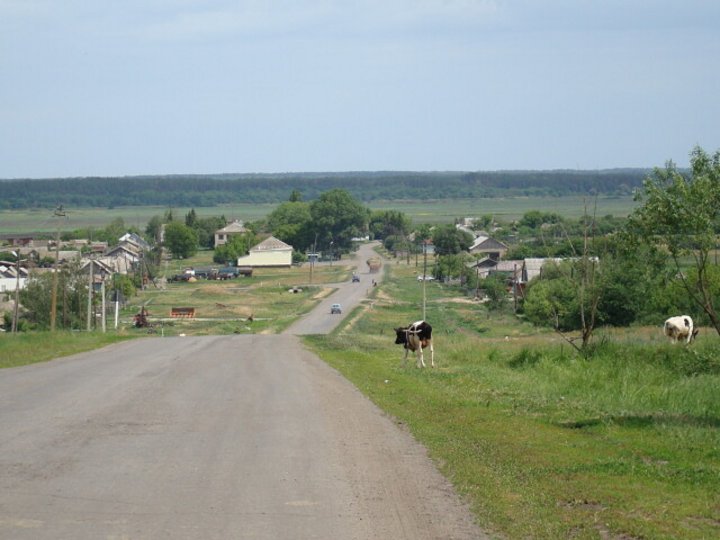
[
  {"x": 416, "y": 337},
  {"x": 680, "y": 328}
]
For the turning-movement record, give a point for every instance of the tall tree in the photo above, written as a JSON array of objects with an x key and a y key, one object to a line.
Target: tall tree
[
  {"x": 337, "y": 218},
  {"x": 181, "y": 240},
  {"x": 291, "y": 223},
  {"x": 384, "y": 223},
  {"x": 449, "y": 240},
  {"x": 681, "y": 213}
]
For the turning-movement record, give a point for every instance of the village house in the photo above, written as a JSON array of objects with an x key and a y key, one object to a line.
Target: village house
[
  {"x": 484, "y": 245},
  {"x": 9, "y": 276},
  {"x": 222, "y": 236},
  {"x": 271, "y": 252}
]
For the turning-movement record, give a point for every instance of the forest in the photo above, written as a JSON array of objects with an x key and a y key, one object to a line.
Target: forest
[{"x": 213, "y": 190}]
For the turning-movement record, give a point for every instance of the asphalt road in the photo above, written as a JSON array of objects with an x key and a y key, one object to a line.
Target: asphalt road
[
  {"x": 347, "y": 294},
  {"x": 215, "y": 437}
]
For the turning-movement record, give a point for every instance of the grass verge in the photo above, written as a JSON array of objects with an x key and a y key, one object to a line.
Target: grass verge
[
  {"x": 544, "y": 444},
  {"x": 30, "y": 347}
]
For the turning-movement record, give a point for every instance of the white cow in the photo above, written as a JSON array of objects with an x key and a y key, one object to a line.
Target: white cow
[{"x": 680, "y": 328}]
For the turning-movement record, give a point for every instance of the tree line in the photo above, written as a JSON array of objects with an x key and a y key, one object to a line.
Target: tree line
[{"x": 212, "y": 190}]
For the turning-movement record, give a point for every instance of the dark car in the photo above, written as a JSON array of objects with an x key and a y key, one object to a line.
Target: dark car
[
  {"x": 335, "y": 309},
  {"x": 228, "y": 272}
]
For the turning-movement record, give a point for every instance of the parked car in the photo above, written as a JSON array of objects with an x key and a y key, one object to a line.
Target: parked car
[
  {"x": 427, "y": 278},
  {"x": 229, "y": 272},
  {"x": 335, "y": 309}
]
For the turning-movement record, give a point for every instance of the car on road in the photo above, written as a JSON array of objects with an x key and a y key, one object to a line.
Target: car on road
[
  {"x": 355, "y": 278},
  {"x": 335, "y": 309}
]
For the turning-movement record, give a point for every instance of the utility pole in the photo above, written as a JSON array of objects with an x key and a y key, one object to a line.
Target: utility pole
[
  {"x": 424, "y": 277},
  {"x": 53, "y": 304},
  {"x": 16, "y": 311},
  {"x": 102, "y": 292},
  {"x": 313, "y": 256},
  {"x": 90, "y": 295}
]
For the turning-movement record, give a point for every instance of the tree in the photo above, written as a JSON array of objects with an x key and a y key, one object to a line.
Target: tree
[
  {"x": 495, "y": 290},
  {"x": 535, "y": 219},
  {"x": 384, "y": 223},
  {"x": 291, "y": 223},
  {"x": 153, "y": 228},
  {"x": 237, "y": 246},
  {"x": 681, "y": 214},
  {"x": 71, "y": 301},
  {"x": 181, "y": 240},
  {"x": 449, "y": 240},
  {"x": 191, "y": 218},
  {"x": 337, "y": 218}
]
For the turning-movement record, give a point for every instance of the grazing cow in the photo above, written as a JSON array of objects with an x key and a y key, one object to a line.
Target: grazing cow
[
  {"x": 416, "y": 337},
  {"x": 680, "y": 328}
]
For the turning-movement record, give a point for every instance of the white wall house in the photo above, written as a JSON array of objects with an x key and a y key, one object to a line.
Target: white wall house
[
  {"x": 270, "y": 252},
  {"x": 223, "y": 235}
]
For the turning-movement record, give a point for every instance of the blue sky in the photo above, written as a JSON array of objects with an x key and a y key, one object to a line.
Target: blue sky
[{"x": 127, "y": 87}]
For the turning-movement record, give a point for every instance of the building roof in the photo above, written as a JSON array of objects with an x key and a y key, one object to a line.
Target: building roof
[
  {"x": 485, "y": 242},
  {"x": 234, "y": 227},
  {"x": 271, "y": 244}
]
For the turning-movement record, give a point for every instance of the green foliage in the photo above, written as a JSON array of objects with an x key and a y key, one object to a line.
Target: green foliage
[
  {"x": 496, "y": 292},
  {"x": 681, "y": 213},
  {"x": 451, "y": 267},
  {"x": 291, "y": 222},
  {"x": 181, "y": 240},
  {"x": 337, "y": 218},
  {"x": 534, "y": 219},
  {"x": 213, "y": 190},
  {"x": 384, "y": 223},
  {"x": 191, "y": 218},
  {"x": 124, "y": 284},
  {"x": 449, "y": 240},
  {"x": 72, "y": 294},
  {"x": 237, "y": 246},
  {"x": 153, "y": 228},
  {"x": 552, "y": 301}
]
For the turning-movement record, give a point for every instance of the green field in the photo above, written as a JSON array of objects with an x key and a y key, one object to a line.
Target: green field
[{"x": 436, "y": 211}]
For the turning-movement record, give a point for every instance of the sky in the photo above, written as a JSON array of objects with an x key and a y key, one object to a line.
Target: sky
[{"x": 132, "y": 87}]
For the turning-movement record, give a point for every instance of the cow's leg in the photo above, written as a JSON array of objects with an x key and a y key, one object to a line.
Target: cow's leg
[
  {"x": 432, "y": 354},
  {"x": 405, "y": 357},
  {"x": 421, "y": 360}
]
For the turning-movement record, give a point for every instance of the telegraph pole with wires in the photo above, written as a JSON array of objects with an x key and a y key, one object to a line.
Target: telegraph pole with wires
[{"x": 59, "y": 212}]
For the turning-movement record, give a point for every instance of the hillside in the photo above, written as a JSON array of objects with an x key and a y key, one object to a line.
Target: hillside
[{"x": 211, "y": 190}]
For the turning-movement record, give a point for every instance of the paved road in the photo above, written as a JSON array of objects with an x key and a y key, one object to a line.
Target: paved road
[
  {"x": 215, "y": 437},
  {"x": 348, "y": 294}
]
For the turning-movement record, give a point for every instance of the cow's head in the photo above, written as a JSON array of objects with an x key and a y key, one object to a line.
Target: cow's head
[{"x": 401, "y": 336}]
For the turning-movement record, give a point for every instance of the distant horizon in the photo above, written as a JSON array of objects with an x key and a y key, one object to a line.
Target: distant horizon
[{"x": 349, "y": 172}]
